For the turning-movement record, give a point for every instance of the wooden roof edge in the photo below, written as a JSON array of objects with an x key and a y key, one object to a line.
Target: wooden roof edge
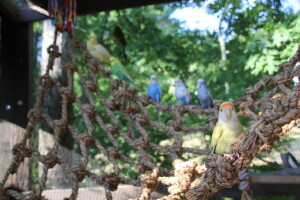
[
  {"x": 85, "y": 7},
  {"x": 94, "y": 6},
  {"x": 22, "y": 14},
  {"x": 37, "y": 10}
]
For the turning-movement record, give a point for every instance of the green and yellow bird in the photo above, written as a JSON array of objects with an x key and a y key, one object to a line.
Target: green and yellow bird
[
  {"x": 226, "y": 130},
  {"x": 120, "y": 71},
  {"x": 96, "y": 49}
]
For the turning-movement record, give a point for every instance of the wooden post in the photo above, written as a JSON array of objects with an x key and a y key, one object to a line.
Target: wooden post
[
  {"x": 15, "y": 71},
  {"x": 15, "y": 94}
]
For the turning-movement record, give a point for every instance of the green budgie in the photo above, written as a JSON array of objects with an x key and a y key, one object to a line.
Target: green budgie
[{"x": 120, "y": 71}]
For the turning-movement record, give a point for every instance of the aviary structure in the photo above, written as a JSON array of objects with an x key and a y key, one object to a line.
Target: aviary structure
[{"x": 280, "y": 112}]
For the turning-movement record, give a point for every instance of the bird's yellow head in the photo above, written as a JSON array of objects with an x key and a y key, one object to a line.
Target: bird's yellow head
[
  {"x": 226, "y": 110},
  {"x": 283, "y": 150},
  {"x": 92, "y": 38}
]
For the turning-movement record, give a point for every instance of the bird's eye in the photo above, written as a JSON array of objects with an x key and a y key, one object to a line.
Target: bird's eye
[{"x": 221, "y": 110}]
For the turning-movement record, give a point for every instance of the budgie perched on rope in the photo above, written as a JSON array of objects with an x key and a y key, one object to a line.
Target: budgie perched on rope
[
  {"x": 154, "y": 90},
  {"x": 226, "y": 130},
  {"x": 96, "y": 49},
  {"x": 181, "y": 93},
  {"x": 120, "y": 71},
  {"x": 204, "y": 94}
]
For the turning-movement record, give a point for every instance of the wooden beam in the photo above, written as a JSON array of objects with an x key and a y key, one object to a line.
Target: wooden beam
[
  {"x": 30, "y": 14},
  {"x": 94, "y": 6},
  {"x": 21, "y": 14},
  {"x": 261, "y": 190},
  {"x": 275, "y": 179},
  {"x": 27, "y": 14}
]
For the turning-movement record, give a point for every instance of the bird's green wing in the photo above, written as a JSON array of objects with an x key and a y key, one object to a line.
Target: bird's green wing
[
  {"x": 121, "y": 73},
  {"x": 216, "y": 136},
  {"x": 124, "y": 71}
]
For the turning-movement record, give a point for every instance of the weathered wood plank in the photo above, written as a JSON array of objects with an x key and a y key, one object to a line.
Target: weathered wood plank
[
  {"x": 11, "y": 134},
  {"x": 96, "y": 193},
  {"x": 275, "y": 179}
]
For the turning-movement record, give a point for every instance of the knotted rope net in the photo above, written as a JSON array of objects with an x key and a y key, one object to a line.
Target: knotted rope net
[{"x": 280, "y": 111}]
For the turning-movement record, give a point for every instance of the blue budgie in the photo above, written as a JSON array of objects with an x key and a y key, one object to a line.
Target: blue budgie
[
  {"x": 181, "y": 93},
  {"x": 154, "y": 90},
  {"x": 204, "y": 94}
]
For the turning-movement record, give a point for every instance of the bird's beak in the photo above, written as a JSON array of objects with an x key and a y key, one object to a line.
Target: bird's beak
[{"x": 228, "y": 113}]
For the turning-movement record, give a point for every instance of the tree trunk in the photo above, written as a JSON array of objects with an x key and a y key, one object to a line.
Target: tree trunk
[
  {"x": 57, "y": 177},
  {"x": 223, "y": 45}
]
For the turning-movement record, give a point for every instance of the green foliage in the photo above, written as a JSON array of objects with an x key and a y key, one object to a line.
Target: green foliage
[{"x": 271, "y": 45}]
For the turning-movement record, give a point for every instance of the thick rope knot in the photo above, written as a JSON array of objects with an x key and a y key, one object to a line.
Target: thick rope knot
[
  {"x": 76, "y": 43},
  {"x": 53, "y": 51},
  {"x": 79, "y": 171},
  {"x": 145, "y": 100},
  {"x": 59, "y": 126},
  {"x": 141, "y": 119},
  {"x": 222, "y": 169},
  {"x": 146, "y": 163},
  {"x": 148, "y": 183},
  {"x": 89, "y": 110},
  {"x": 67, "y": 92},
  {"x": 46, "y": 82},
  {"x": 176, "y": 125},
  {"x": 34, "y": 115},
  {"x": 112, "y": 129},
  {"x": 91, "y": 86},
  {"x": 94, "y": 63},
  {"x": 71, "y": 67},
  {"x": 111, "y": 181},
  {"x": 116, "y": 83},
  {"x": 112, "y": 152},
  {"x": 50, "y": 159},
  {"x": 20, "y": 151},
  {"x": 123, "y": 99},
  {"x": 86, "y": 139},
  {"x": 183, "y": 177},
  {"x": 140, "y": 142}
]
